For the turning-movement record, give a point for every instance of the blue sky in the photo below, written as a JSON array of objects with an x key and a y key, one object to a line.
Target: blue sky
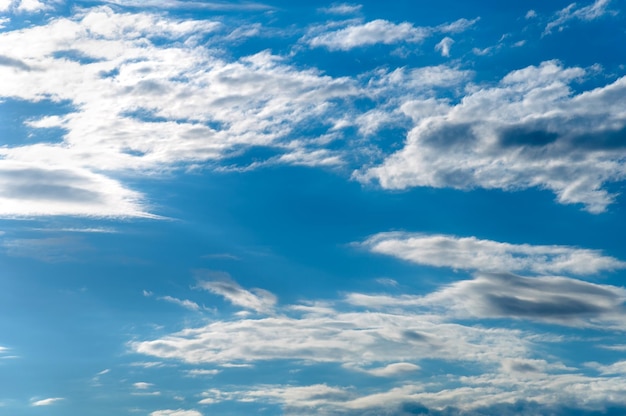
[{"x": 373, "y": 208}]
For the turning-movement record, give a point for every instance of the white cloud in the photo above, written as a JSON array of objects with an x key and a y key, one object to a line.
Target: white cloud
[
  {"x": 358, "y": 339},
  {"x": 471, "y": 253},
  {"x": 593, "y": 11},
  {"x": 490, "y": 393},
  {"x": 185, "y": 303},
  {"x": 179, "y": 412},
  {"x": 47, "y": 402},
  {"x": 142, "y": 385},
  {"x": 444, "y": 46},
  {"x": 256, "y": 299},
  {"x": 370, "y": 33},
  {"x": 342, "y": 8},
  {"x": 197, "y": 372},
  {"x": 117, "y": 81},
  {"x": 528, "y": 131},
  {"x": 31, "y": 6},
  {"x": 531, "y": 14}
]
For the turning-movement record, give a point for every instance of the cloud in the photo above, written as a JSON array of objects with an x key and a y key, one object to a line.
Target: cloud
[
  {"x": 593, "y": 11},
  {"x": 550, "y": 299},
  {"x": 471, "y": 253},
  {"x": 47, "y": 402},
  {"x": 494, "y": 393},
  {"x": 142, "y": 385},
  {"x": 185, "y": 303},
  {"x": 356, "y": 338},
  {"x": 190, "y": 4},
  {"x": 256, "y": 299},
  {"x": 29, "y": 189},
  {"x": 444, "y": 46},
  {"x": 382, "y": 32},
  {"x": 342, "y": 8},
  {"x": 179, "y": 412},
  {"x": 370, "y": 33},
  {"x": 117, "y": 79},
  {"x": 528, "y": 131}
]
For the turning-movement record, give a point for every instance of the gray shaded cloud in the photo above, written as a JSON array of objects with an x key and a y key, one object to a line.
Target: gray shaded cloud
[
  {"x": 558, "y": 300},
  {"x": 14, "y": 63}
]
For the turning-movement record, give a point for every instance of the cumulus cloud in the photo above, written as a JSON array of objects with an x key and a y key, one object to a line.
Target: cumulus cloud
[
  {"x": 471, "y": 253},
  {"x": 593, "y": 11},
  {"x": 528, "y": 131},
  {"x": 116, "y": 77},
  {"x": 47, "y": 402}
]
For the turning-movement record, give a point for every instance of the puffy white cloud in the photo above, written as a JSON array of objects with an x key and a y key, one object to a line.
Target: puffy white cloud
[
  {"x": 528, "y": 131},
  {"x": 471, "y": 253}
]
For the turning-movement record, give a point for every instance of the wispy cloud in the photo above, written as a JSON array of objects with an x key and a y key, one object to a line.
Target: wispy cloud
[
  {"x": 382, "y": 32},
  {"x": 47, "y": 402},
  {"x": 342, "y": 8},
  {"x": 593, "y": 11},
  {"x": 185, "y": 303},
  {"x": 471, "y": 253},
  {"x": 256, "y": 299},
  {"x": 178, "y": 412}
]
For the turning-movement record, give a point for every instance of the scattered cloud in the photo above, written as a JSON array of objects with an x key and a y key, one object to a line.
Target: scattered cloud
[
  {"x": 444, "y": 46},
  {"x": 342, "y": 8},
  {"x": 370, "y": 33},
  {"x": 382, "y": 31},
  {"x": 47, "y": 402},
  {"x": 185, "y": 303},
  {"x": 593, "y": 11},
  {"x": 471, "y": 253},
  {"x": 258, "y": 300},
  {"x": 528, "y": 131},
  {"x": 142, "y": 385}
]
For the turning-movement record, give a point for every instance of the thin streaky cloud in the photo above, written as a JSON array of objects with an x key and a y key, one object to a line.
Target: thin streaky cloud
[{"x": 471, "y": 253}]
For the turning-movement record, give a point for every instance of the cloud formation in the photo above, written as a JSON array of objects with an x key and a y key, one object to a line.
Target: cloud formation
[
  {"x": 47, "y": 402},
  {"x": 528, "y": 131},
  {"x": 593, "y": 11},
  {"x": 471, "y": 253}
]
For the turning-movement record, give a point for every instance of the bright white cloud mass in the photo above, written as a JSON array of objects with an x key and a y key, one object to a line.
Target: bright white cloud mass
[{"x": 317, "y": 208}]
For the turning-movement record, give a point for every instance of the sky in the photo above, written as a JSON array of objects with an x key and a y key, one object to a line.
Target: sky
[{"x": 312, "y": 208}]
